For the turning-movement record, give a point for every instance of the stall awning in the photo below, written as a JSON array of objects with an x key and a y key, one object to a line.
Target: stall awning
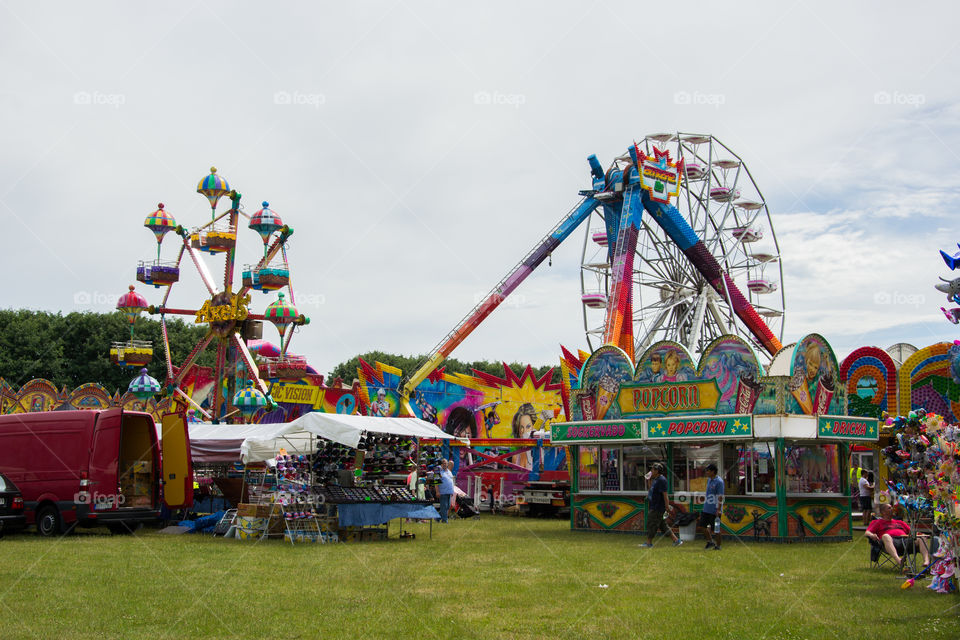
[{"x": 297, "y": 436}]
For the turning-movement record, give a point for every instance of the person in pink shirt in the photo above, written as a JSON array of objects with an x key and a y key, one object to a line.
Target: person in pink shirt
[{"x": 886, "y": 531}]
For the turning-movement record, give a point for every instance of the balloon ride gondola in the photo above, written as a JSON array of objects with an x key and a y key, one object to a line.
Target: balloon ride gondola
[
  {"x": 225, "y": 311},
  {"x": 144, "y": 387},
  {"x": 133, "y": 353},
  {"x": 155, "y": 272},
  {"x": 285, "y": 317},
  {"x": 266, "y": 277}
]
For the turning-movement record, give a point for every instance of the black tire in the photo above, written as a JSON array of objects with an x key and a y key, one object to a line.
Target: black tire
[
  {"x": 48, "y": 521},
  {"x": 123, "y": 528}
]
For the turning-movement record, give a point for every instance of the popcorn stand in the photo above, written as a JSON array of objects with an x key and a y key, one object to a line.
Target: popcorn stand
[{"x": 780, "y": 438}]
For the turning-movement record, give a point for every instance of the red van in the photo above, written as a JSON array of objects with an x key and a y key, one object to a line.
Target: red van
[{"x": 83, "y": 468}]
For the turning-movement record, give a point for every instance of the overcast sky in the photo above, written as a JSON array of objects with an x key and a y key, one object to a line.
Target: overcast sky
[{"x": 367, "y": 127}]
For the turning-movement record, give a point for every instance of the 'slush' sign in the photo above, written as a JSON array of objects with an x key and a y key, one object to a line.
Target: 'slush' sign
[
  {"x": 736, "y": 426},
  {"x": 847, "y": 428}
]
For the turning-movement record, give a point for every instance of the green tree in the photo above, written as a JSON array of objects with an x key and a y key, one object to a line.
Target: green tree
[
  {"x": 74, "y": 349},
  {"x": 347, "y": 370}
]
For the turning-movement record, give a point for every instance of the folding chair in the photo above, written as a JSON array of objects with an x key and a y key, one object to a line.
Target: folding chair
[
  {"x": 907, "y": 549},
  {"x": 879, "y": 557}
]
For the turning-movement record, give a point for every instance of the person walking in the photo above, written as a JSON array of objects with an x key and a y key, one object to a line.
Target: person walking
[
  {"x": 712, "y": 501},
  {"x": 446, "y": 488},
  {"x": 657, "y": 505},
  {"x": 865, "y": 487}
]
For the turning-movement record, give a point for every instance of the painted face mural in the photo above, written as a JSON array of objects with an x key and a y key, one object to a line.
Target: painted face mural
[{"x": 813, "y": 376}]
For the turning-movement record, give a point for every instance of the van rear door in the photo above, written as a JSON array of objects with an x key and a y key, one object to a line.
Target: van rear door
[
  {"x": 104, "y": 458},
  {"x": 176, "y": 462}
]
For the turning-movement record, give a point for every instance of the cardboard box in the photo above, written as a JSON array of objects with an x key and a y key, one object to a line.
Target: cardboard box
[{"x": 254, "y": 510}]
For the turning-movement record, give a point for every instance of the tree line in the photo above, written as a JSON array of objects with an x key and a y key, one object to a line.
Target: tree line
[
  {"x": 347, "y": 370},
  {"x": 74, "y": 349}
]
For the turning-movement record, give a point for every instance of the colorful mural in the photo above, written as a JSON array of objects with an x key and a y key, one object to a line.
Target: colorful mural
[
  {"x": 813, "y": 379},
  {"x": 928, "y": 379},
  {"x": 871, "y": 381},
  {"x": 666, "y": 381}
]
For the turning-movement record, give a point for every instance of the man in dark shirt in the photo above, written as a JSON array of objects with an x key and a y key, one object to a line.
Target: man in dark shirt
[{"x": 657, "y": 505}]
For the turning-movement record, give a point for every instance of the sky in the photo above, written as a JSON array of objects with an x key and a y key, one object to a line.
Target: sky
[{"x": 419, "y": 150}]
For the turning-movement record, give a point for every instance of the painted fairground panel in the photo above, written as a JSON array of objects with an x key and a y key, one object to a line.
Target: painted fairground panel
[
  {"x": 666, "y": 382},
  {"x": 818, "y": 518},
  {"x": 36, "y": 395},
  {"x": 602, "y": 376},
  {"x": 813, "y": 387},
  {"x": 871, "y": 382},
  {"x": 294, "y": 399},
  {"x": 930, "y": 379},
  {"x": 608, "y": 513},
  {"x": 754, "y": 517},
  {"x": 478, "y": 406}
]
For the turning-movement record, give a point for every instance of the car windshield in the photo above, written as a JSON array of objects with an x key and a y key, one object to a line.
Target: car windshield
[{"x": 6, "y": 485}]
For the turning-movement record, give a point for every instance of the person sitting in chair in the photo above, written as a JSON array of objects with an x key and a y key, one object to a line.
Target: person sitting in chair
[{"x": 887, "y": 532}]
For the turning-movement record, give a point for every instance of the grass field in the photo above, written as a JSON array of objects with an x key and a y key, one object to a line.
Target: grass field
[{"x": 490, "y": 577}]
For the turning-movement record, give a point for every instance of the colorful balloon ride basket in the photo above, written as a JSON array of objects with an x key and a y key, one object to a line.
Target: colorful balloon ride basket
[
  {"x": 265, "y": 278},
  {"x": 158, "y": 273},
  {"x": 215, "y": 238},
  {"x": 249, "y": 400},
  {"x": 283, "y": 368},
  {"x": 133, "y": 353}
]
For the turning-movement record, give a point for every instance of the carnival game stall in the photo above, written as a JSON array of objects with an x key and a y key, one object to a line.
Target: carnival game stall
[
  {"x": 781, "y": 440},
  {"x": 329, "y": 477}
]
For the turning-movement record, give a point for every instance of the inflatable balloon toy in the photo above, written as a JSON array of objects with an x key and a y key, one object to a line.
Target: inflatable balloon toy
[
  {"x": 951, "y": 288},
  {"x": 952, "y": 261}
]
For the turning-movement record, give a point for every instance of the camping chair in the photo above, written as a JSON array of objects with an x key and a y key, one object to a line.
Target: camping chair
[{"x": 907, "y": 548}]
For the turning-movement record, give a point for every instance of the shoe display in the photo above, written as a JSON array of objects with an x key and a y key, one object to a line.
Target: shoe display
[
  {"x": 677, "y": 542},
  {"x": 716, "y": 547},
  {"x": 710, "y": 545},
  {"x": 646, "y": 545}
]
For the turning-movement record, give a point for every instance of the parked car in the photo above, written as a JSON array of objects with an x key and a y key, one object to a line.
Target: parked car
[{"x": 12, "y": 517}]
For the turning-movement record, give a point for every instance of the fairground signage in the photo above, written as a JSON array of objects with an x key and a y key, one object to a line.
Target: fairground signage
[
  {"x": 659, "y": 176},
  {"x": 573, "y": 432},
  {"x": 737, "y": 426},
  {"x": 669, "y": 397},
  {"x": 297, "y": 394},
  {"x": 847, "y": 428}
]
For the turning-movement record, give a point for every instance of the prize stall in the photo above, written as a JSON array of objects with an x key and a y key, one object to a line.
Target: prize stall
[
  {"x": 781, "y": 440},
  {"x": 332, "y": 477}
]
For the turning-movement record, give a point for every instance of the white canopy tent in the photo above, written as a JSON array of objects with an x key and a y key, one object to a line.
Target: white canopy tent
[{"x": 298, "y": 437}]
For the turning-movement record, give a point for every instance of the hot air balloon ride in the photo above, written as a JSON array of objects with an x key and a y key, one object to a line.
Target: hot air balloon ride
[
  {"x": 133, "y": 353},
  {"x": 264, "y": 276},
  {"x": 250, "y": 399},
  {"x": 215, "y": 236},
  {"x": 144, "y": 387},
  {"x": 156, "y": 272},
  {"x": 285, "y": 317}
]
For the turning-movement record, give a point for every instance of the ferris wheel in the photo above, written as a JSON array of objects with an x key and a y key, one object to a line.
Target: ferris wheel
[
  {"x": 672, "y": 300},
  {"x": 238, "y": 381}
]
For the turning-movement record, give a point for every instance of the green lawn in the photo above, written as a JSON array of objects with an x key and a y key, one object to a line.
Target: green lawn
[{"x": 490, "y": 577}]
